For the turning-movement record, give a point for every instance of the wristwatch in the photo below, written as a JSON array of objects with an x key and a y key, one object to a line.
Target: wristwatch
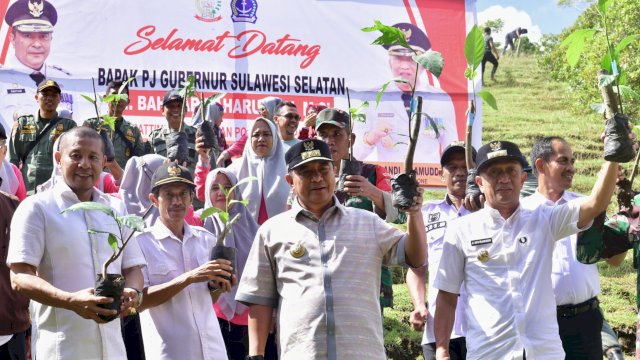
[
  {"x": 139, "y": 297},
  {"x": 254, "y": 357}
]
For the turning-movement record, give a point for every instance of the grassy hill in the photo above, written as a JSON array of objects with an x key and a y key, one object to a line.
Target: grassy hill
[{"x": 531, "y": 105}]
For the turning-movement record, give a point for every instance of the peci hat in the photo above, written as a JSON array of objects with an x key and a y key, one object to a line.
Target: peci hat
[
  {"x": 172, "y": 95},
  {"x": 32, "y": 16},
  {"x": 498, "y": 151},
  {"x": 46, "y": 84},
  {"x": 416, "y": 38},
  {"x": 453, "y": 148},
  {"x": 307, "y": 151},
  {"x": 171, "y": 173},
  {"x": 332, "y": 116}
]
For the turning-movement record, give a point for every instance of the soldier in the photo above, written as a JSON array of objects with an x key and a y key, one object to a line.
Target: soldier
[
  {"x": 33, "y": 136},
  {"x": 127, "y": 140},
  {"x": 383, "y": 136},
  {"x": 31, "y": 23}
]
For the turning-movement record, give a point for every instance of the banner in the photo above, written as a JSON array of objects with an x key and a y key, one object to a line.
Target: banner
[{"x": 305, "y": 51}]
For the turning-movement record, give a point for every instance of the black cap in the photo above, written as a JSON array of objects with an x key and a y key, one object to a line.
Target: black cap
[
  {"x": 172, "y": 95},
  {"x": 416, "y": 38},
  {"x": 171, "y": 173},
  {"x": 32, "y": 16},
  {"x": 46, "y": 84},
  {"x": 498, "y": 151},
  {"x": 332, "y": 116},
  {"x": 307, "y": 151},
  {"x": 454, "y": 148}
]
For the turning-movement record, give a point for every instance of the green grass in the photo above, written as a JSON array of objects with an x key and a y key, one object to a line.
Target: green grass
[{"x": 531, "y": 105}]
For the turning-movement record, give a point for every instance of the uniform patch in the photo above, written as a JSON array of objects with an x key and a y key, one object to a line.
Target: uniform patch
[
  {"x": 481, "y": 241},
  {"x": 437, "y": 225},
  {"x": 16, "y": 91},
  {"x": 434, "y": 217}
]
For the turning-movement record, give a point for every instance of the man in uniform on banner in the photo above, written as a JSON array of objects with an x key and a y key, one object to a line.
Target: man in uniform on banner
[
  {"x": 127, "y": 140},
  {"x": 33, "y": 136},
  {"x": 384, "y": 136},
  {"x": 32, "y": 23}
]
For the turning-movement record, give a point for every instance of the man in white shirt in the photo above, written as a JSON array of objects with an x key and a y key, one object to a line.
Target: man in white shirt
[
  {"x": 54, "y": 259},
  {"x": 287, "y": 119},
  {"x": 576, "y": 285},
  {"x": 181, "y": 284},
  {"x": 502, "y": 255},
  {"x": 438, "y": 214}
]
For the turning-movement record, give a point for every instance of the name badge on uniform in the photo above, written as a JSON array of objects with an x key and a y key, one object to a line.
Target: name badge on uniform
[
  {"x": 481, "y": 241},
  {"x": 16, "y": 91}
]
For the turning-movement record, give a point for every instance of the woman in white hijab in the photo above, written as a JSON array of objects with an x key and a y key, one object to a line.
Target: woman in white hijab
[
  {"x": 264, "y": 159},
  {"x": 232, "y": 315},
  {"x": 11, "y": 181}
]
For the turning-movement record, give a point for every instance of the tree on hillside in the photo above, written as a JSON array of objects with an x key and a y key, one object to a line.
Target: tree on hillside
[{"x": 495, "y": 25}]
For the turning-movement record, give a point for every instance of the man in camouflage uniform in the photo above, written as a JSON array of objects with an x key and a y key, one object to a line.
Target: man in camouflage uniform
[
  {"x": 127, "y": 140},
  {"x": 33, "y": 136},
  {"x": 171, "y": 106}
]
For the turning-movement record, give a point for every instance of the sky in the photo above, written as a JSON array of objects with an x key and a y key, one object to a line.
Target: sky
[{"x": 537, "y": 16}]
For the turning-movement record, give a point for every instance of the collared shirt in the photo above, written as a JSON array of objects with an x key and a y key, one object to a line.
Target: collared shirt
[
  {"x": 185, "y": 326},
  {"x": 38, "y": 165},
  {"x": 573, "y": 282},
  {"x": 69, "y": 258},
  {"x": 505, "y": 265},
  {"x": 328, "y": 297},
  {"x": 438, "y": 214}
]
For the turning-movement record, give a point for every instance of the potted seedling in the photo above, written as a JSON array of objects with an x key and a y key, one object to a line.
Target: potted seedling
[
  {"x": 404, "y": 185},
  {"x": 107, "y": 125},
  {"x": 220, "y": 251},
  {"x": 205, "y": 128},
  {"x": 111, "y": 285},
  {"x": 351, "y": 166},
  {"x": 473, "y": 53}
]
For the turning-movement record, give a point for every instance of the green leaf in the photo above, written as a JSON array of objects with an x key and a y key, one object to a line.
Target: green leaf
[
  {"x": 575, "y": 44},
  {"x": 626, "y": 42},
  {"x": 110, "y": 121},
  {"x": 488, "y": 98},
  {"x": 133, "y": 222},
  {"x": 188, "y": 89},
  {"x": 599, "y": 108},
  {"x": 382, "y": 89},
  {"x": 242, "y": 181},
  {"x": 468, "y": 73},
  {"x": 474, "y": 47},
  {"x": 90, "y": 205},
  {"x": 88, "y": 99},
  {"x": 356, "y": 112},
  {"x": 94, "y": 231},
  {"x": 628, "y": 93},
  {"x": 603, "y": 5},
  {"x": 109, "y": 98},
  {"x": 432, "y": 61},
  {"x": 125, "y": 84},
  {"x": 213, "y": 98},
  {"x": 209, "y": 211},
  {"x": 243, "y": 202},
  {"x": 605, "y": 63},
  {"x": 604, "y": 80},
  {"x": 224, "y": 216},
  {"x": 390, "y": 35},
  {"x": 113, "y": 242}
]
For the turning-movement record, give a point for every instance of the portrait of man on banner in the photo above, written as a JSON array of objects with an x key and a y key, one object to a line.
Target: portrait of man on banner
[{"x": 383, "y": 137}]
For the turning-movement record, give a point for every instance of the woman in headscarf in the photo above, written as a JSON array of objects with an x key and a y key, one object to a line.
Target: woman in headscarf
[
  {"x": 308, "y": 131},
  {"x": 264, "y": 159},
  {"x": 232, "y": 315},
  {"x": 11, "y": 181},
  {"x": 266, "y": 109}
]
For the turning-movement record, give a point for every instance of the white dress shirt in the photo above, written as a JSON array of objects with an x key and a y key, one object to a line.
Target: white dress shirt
[
  {"x": 185, "y": 326},
  {"x": 573, "y": 281},
  {"x": 510, "y": 302},
  {"x": 69, "y": 258}
]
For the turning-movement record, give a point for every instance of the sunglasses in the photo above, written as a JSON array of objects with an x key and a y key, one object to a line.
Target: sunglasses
[{"x": 290, "y": 116}]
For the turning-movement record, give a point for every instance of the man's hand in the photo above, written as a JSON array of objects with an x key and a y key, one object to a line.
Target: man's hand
[
  {"x": 85, "y": 304},
  {"x": 203, "y": 152},
  {"x": 310, "y": 120},
  {"x": 470, "y": 204},
  {"x": 373, "y": 137},
  {"x": 416, "y": 209},
  {"x": 418, "y": 317},
  {"x": 442, "y": 354},
  {"x": 224, "y": 156},
  {"x": 217, "y": 271},
  {"x": 357, "y": 185}
]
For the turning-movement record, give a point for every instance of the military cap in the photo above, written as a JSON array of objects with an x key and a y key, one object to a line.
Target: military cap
[
  {"x": 453, "y": 148},
  {"x": 332, "y": 116},
  {"x": 172, "y": 95},
  {"x": 172, "y": 173},
  {"x": 499, "y": 151},
  {"x": 307, "y": 151},
  {"x": 46, "y": 84},
  {"x": 415, "y": 37},
  {"x": 32, "y": 16}
]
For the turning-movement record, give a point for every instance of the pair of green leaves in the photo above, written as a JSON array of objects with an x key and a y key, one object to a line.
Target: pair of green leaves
[
  {"x": 189, "y": 90},
  {"x": 357, "y": 113},
  {"x": 474, "y": 52},
  {"x": 133, "y": 222},
  {"x": 109, "y": 120}
]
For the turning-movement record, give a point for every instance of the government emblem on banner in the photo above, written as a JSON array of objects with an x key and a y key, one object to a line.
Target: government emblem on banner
[
  {"x": 244, "y": 10},
  {"x": 208, "y": 10}
]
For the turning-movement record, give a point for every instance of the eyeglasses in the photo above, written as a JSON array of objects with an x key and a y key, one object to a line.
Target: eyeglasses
[{"x": 290, "y": 116}]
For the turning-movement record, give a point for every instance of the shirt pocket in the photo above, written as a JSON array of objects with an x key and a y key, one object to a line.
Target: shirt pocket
[{"x": 159, "y": 273}]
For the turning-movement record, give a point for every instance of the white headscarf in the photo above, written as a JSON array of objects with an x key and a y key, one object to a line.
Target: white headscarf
[
  {"x": 270, "y": 103},
  {"x": 10, "y": 183},
  {"x": 135, "y": 185},
  {"x": 241, "y": 238},
  {"x": 270, "y": 172},
  {"x": 215, "y": 111}
]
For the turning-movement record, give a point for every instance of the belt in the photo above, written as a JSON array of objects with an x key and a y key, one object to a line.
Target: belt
[{"x": 573, "y": 310}]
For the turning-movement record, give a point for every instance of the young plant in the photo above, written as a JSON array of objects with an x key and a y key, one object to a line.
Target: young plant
[
  {"x": 116, "y": 241},
  {"x": 224, "y": 213}
]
